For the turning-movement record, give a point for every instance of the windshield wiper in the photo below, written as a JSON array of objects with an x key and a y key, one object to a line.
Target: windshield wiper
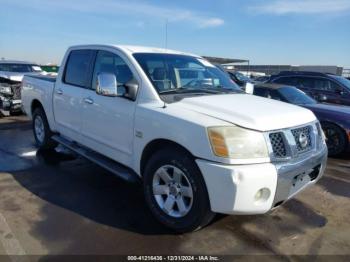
[{"x": 214, "y": 90}]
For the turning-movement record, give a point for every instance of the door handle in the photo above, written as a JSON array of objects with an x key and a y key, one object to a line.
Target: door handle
[
  {"x": 59, "y": 91},
  {"x": 88, "y": 100}
]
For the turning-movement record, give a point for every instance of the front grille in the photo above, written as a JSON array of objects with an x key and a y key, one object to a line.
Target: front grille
[
  {"x": 16, "y": 91},
  {"x": 302, "y": 138},
  {"x": 319, "y": 129},
  {"x": 277, "y": 143}
]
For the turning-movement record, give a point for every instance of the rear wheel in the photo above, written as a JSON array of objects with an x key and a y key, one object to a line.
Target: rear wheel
[
  {"x": 335, "y": 138},
  {"x": 176, "y": 192},
  {"x": 41, "y": 130}
]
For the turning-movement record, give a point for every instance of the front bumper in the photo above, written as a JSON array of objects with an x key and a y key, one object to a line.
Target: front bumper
[
  {"x": 233, "y": 189},
  {"x": 11, "y": 105}
]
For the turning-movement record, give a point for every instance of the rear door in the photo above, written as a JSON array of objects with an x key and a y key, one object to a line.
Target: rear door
[
  {"x": 67, "y": 97},
  {"x": 108, "y": 122}
]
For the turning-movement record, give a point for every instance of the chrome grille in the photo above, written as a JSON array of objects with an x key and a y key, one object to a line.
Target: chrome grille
[
  {"x": 302, "y": 138},
  {"x": 277, "y": 143},
  {"x": 16, "y": 91}
]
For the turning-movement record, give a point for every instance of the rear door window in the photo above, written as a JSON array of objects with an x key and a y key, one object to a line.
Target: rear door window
[
  {"x": 326, "y": 85},
  {"x": 305, "y": 82},
  {"x": 78, "y": 68},
  {"x": 291, "y": 81}
]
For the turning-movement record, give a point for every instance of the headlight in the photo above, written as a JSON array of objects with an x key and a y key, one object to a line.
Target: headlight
[
  {"x": 237, "y": 143},
  {"x": 321, "y": 133},
  {"x": 5, "y": 90}
]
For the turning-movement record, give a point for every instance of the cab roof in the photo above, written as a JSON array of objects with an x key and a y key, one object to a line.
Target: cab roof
[{"x": 131, "y": 49}]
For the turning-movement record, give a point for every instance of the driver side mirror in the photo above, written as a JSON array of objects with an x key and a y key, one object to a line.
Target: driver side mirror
[
  {"x": 322, "y": 98},
  {"x": 339, "y": 90},
  {"x": 107, "y": 85},
  {"x": 132, "y": 86}
]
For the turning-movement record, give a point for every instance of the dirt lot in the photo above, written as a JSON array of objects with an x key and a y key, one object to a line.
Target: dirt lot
[{"x": 55, "y": 204}]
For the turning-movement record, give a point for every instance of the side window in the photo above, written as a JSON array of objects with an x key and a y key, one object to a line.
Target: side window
[
  {"x": 335, "y": 87},
  {"x": 323, "y": 84},
  {"x": 107, "y": 62},
  {"x": 291, "y": 81},
  {"x": 78, "y": 67},
  {"x": 326, "y": 85},
  {"x": 305, "y": 82}
]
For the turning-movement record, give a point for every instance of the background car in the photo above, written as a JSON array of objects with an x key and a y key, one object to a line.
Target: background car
[
  {"x": 322, "y": 87},
  {"x": 11, "y": 75},
  {"x": 334, "y": 119},
  {"x": 239, "y": 78},
  {"x": 262, "y": 79}
]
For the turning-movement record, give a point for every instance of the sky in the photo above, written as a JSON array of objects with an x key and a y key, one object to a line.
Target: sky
[{"x": 297, "y": 32}]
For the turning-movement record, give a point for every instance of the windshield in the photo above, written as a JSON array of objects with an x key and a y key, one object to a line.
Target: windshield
[
  {"x": 343, "y": 80},
  {"x": 171, "y": 73},
  {"x": 20, "y": 68},
  {"x": 295, "y": 96}
]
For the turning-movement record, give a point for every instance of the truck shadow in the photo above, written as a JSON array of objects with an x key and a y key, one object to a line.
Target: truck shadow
[
  {"x": 78, "y": 193},
  {"x": 336, "y": 186},
  {"x": 88, "y": 190}
]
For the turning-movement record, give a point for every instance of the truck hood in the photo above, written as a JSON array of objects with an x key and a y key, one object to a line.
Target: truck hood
[
  {"x": 14, "y": 76},
  {"x": 249, "y": 111}
]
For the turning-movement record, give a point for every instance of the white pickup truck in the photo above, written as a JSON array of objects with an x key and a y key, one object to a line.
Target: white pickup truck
[{"x": 179, "y": 124}]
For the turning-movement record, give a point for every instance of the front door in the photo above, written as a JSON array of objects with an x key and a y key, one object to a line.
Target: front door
[
  {"x": 108, "y": 122},
  {"x": 345, "y": 97}
]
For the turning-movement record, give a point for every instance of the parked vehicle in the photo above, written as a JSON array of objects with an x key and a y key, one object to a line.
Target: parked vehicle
[
  {"x": 50, "y": 68},
  {"x": 335, "y": 119},
  {"x": 322, "y": 87},
  {"x": 262, "y": 79},
  {"x": 200, "y": 145},
  {"x": 11, "y": 74},
  {"x": 239, "y": 78}
]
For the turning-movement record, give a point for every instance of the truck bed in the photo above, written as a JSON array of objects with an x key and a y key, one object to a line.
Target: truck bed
[
  {"x": 38, "y": 88},
  {"x": 49, "y": 78}
]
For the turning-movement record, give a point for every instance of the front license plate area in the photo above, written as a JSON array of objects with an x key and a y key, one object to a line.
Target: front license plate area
[{"x": 299, "y": 181}]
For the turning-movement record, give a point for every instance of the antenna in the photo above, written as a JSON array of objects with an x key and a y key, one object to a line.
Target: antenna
[{"x": 166, "y": 33}]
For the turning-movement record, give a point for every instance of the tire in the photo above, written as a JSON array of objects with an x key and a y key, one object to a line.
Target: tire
[
  {"x": 192, "y": 213},
  {"x": 336, "y": 139},
  {"x": 41, "y": 130}
]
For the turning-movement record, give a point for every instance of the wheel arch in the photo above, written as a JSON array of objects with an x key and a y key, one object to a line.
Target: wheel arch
[
  {"x": 36, "y": 104},
  {"x": 343, "y": 129},
  {"x": 155, "y": 145}
]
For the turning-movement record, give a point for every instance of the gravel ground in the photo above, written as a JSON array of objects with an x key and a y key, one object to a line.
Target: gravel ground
[{"x": 58, "y": 204}]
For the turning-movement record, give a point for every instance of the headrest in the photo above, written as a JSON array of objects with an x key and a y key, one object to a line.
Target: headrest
[{"x": 158, "y": 74}]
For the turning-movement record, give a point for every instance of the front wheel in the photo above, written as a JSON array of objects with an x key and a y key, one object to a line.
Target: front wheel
[
  {"x": 176, "y": 192},
  {"x": 336, "y": 139}
]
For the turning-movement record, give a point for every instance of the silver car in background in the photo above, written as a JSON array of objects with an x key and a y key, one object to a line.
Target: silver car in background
[{"x": 11, "y": 75}]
